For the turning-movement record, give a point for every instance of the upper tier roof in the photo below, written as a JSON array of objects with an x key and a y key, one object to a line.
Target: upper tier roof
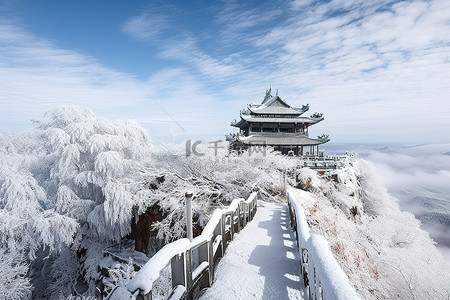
[{"x": 276, "y": 105}]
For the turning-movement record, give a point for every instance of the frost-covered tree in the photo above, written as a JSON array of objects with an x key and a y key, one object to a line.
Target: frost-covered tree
[
  {"x": 70, "y": 180},
  {"x": 14, "y": 283}
]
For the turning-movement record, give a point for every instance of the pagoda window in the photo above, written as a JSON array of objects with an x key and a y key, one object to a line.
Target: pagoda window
[
  {"x": 270, "y": 127},
  {"x": 255, "y": 128},
  {"x": 287, "y": 128}
]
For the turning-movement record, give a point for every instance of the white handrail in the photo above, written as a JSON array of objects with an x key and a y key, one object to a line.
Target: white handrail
[
  {"x": 144, "y": 279},
  {"x": 320, "y": 270},
  {"x": 215, "y": 236}
]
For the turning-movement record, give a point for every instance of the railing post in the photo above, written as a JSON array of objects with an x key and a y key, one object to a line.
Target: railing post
[
  {"x": 239, "y": 209},
  {"x": 217, "y": 232},
  {"x": 189, "y": 232},
  {"x": 179, "y": 268},
  {"x": 223, "y": 233},
  {"x": 244, "y": 215},
  {"x": 204, "y": 254},
  {"x": 232, "y": 225},
  {"x": 211, "y": 261},
  {"x": 188, "y": 272}
]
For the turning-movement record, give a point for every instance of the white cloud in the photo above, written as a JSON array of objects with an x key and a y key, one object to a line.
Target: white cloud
[
  {"x": 37, "y": 75},
  {"x": 378, "y": 70}
]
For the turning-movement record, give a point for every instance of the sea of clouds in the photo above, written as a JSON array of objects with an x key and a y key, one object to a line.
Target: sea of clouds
[{"x": 419, "y": 177}]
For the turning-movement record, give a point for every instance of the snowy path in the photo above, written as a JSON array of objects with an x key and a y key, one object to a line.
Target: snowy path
[{"x": 262, "y": 262}]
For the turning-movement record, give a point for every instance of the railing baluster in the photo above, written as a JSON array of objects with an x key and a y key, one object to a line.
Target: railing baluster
[
  {"x": 217, "y": 232},
  {"x": 178, "y": 268},
  {"x": 224, "y": 234},
  {"x": 204, "y": 253}
]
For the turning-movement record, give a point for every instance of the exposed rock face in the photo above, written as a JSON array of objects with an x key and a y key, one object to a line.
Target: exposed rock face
[
  {"x": 304, "y": 184},
  {"x": 335, "y": 178},
  {"x": 141, "y": 230}
]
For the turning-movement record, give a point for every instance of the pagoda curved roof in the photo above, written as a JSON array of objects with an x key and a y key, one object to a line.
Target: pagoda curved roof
[
  {"x": 239, "y": 123},
  {"x": 306, "y": 120},
  {"x": 263, "y": 109}
]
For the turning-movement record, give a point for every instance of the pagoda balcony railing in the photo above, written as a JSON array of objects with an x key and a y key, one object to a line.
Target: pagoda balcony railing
[
  {"x": 278, "y": 133},
  {"x": 324, "y": 162}
]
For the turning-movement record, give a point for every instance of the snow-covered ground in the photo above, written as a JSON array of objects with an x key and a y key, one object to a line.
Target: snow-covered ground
[
  {"x": 382, "y": 249},
  {"x": 262, "y": 261},
  {"x": 70, "y": 187}
]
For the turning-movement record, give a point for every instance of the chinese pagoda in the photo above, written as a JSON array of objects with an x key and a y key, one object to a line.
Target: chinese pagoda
[{"x": 277, "y": 124}]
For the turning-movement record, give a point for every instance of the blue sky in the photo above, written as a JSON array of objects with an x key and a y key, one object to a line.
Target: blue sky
[{"x": 378, "y": 70}]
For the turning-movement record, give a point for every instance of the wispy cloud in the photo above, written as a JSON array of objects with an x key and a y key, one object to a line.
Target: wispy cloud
[
  {"x": 146, "y": 26},
  {"x": 237, "y": 19}
]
